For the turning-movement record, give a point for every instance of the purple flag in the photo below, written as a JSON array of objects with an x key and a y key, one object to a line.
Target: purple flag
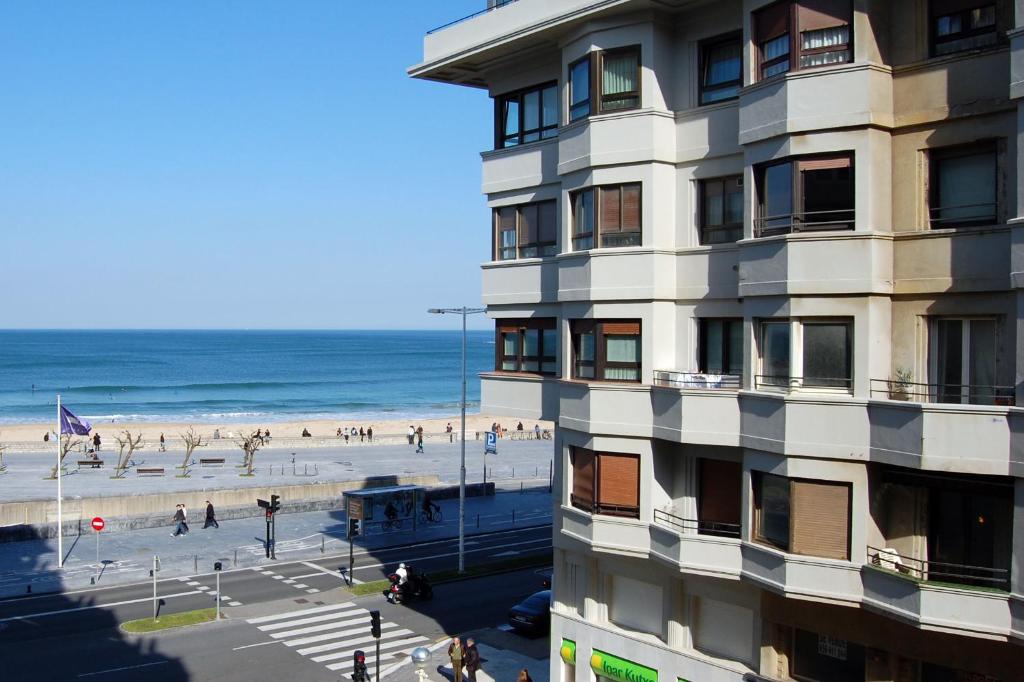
[{"x": 69, "y": 423}]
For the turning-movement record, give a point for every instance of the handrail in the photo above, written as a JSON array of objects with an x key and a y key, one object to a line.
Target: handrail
[
  {"x": 698, "y": 380},
  {"x": 972, "y": 394},
  {"x": 779, "y": 381},
  {"x": 490, "y": 8},
  {"x": 798, "y": 222},
  {"x": 697, "y": 526},
  {"x": 939, "y": 571},
  {"x": 990, "y": 212}
]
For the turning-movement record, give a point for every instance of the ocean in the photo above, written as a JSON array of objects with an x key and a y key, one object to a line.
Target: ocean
[{"x": 206, "y": 376}]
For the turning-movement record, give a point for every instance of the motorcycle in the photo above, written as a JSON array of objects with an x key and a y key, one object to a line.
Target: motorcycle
[{"x": 416, "y": 588}]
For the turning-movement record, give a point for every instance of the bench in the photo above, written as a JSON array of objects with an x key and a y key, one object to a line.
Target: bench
[
  {"x": 94, "y": 463},
  {"x": 211, "y": 461},
  {"x": 149, "y": 471}
]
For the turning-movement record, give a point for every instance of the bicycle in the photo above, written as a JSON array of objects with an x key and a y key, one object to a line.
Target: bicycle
[
  {"x": 435, "y": 516},
  {"x": 388, "y": 524}
]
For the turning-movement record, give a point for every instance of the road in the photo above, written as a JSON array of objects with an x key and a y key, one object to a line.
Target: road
[{"x": 73, "y": 635}]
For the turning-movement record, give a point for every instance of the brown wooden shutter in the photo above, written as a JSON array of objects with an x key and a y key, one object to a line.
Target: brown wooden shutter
[
  {"x": 548, "y": 223},
  {"x": 618, "y": 480},
  {"x": 941, "y": 7},
  {"x": 817, "y": 14},
  {"x": 719, "y": 495},
  {"x": 621, "y": 328},
  {"x": 583, "y": 466},
  {"x": 631, "y": 208},
  {"x": 611, "y": 212},
  {"x": 820, "y": 519},
  {"x": 528, "y": 228},
  {"x": 825, "y": 163},
  {"x": 507, "y": 218},
  {"x": 772, "y": 22}
]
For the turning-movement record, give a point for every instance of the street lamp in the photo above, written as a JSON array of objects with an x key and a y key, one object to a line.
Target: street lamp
[{"x": 464, "y": 311}]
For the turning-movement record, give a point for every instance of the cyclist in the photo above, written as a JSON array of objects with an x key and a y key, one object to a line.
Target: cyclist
[{"x": 429, "y": 508}]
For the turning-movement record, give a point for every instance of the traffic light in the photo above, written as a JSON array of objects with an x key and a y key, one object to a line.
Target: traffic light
[
  {"x": 375, "y": 624},
  {"x": 358, "y": 666},
  {"x": 354, "y": 528},
  {"x": 275, "y": 504}
]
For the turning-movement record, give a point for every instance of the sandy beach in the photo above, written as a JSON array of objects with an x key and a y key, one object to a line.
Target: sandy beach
[{"x": 27, "y": 433}]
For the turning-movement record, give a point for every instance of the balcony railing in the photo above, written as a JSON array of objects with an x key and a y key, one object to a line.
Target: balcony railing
[
  {"x": 774, "y": 381},
  {"x": 962, "y": 394},
  {"x": 673, "y": 379},
  {"x": 604, "y": 508},
  {"x": 491, "y": 6},
  {"x": 696, "y": 526},
  {"x": 811, "y": 221},
  {"x": 939, "y": 571},
  {"x": 963, "y": 214}
]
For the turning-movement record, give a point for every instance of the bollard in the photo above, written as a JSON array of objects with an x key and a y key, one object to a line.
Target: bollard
[
  {"x": 322, "y": 543},
  {"x": 28, "y": 590},
  {"x": 536, "y": 472},
  {"x": 478, "y": 521},
  {"x": 520, "y": 487},
  {"x": 236, "y": 558},
  {"x": 513, "y": 472},
  {"x": 305, "y": 470},
  {"x": 195, "y": 563}
]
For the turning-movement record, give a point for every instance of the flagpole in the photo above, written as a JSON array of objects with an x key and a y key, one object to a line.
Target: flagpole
[{"x": 60, "y": 501}]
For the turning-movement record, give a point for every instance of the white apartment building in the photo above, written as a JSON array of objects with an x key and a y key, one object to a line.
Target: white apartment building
[{"x": 763, "y": 263}]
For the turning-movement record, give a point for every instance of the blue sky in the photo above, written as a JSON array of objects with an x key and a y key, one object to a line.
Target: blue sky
[{"x": 235, "y": 164}]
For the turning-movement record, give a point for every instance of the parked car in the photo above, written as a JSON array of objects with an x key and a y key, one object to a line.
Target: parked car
[{"x": 533, "y": 614}]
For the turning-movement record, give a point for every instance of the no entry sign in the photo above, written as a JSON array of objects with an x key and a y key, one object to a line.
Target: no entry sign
[{"x": 98, "y": 524}]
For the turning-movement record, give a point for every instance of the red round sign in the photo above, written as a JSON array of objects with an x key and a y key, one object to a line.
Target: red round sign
[{"x": 98, "y": 524}]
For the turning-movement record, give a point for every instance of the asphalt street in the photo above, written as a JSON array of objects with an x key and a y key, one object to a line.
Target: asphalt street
[{"x": 73, "y": 635}]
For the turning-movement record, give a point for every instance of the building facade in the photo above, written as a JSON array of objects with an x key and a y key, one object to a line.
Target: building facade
[{"x": 762, "y": 263}]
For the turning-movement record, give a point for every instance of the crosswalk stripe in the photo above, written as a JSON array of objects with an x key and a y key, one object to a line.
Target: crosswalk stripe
[
  {"x": 302, "y": 612},
  {"x": 349, "y": 644},
  {"x": 320, "y": 648},
  {"x": 365, "y": 640},
  {"x": 333, "y": 635},
  {"x": 348, "y": 664},
  {"x": 312, "y": 619},
  {"x": 323, "y": 627}
]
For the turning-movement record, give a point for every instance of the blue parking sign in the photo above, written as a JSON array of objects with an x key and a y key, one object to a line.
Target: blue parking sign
[{"x": 491, "y": 443}]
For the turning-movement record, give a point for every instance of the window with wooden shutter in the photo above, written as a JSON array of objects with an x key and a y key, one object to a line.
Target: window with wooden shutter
[
  {"x": 528, "y": 230},
  {"x": 718, "y": 497},
  {"x": 583, "y": 220},
  {"x": 618, "y": 487},
  {"x": 820, "y": 518},
  {"x": 547, "y": 228},
  {"x": 611, "y": 214},
  {"x": 958, "y": 25},
  {"x": 584, "y": 466},
  {"x": 824, "y": 32},
  {"x": 607, "y": 350},
  {"x": 772, "y": 28},
  {"x": 526, "y": 345},
  {"x": 619, "y": 215},
  {"x": 505, "y": 239}
]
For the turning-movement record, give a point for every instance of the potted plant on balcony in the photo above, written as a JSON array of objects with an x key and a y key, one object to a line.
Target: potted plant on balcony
[{"x": 899, "y": 386}]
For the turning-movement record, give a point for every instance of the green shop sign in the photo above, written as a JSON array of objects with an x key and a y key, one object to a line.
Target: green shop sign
[
  {"x": 620, "y": 669},
  {"x": 568, "y": 651}
]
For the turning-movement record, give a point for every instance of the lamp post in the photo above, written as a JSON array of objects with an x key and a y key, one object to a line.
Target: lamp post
[{"x": 464, "y": 311}]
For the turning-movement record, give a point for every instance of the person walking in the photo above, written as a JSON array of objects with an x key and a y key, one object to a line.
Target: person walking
[
  {"x": 524, "y": 676},
  {"x": 455, "y": 654},
  {"x": 211, "y": 519},
  {"x": 362, "y": 434},
  {"x": 369, "y": 434},
  {"x": 163, "y": 443},
  {"x": 472, "y": 659},
  {"x": 451, "y": 433},
  {"x": 419, "y": 441},
  {"x": 412, "y": 434},
  {"x": 184, "y": 518},
  {"x": 96, "y": 441},
  {"x": 179, "y": 521}
]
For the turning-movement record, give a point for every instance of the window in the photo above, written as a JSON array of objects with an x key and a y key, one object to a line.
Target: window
[
  {"x": 721, "y": 62},
  {"x": 720, "y": 346},
  {"x": 802, "y": 35},
  {"x": 721, "y": 210},
  {"x": 959, "y": 25},
  {"x": 527, "y": 116},
  {"x": 615, "y": 88},
  {"x": 810, "y": 518},
  {"x": 773, "y": 345},
  {"x": 579, "y": 89},
  {"x": 526, "y": 231},
  {"x": 718, "y": 497},
  {"x": 963, "y": 186},
  {"x": 606, "y": 351},
  {"x": 616, "y": 213},
  {"x": 965, "y": 361},
  {"x": 805, "y": 195},
  {"x": 605, "y": 483},
  {"x": 827, "y": 354},
  {"x": 823, "y": 658},
  {"x": 529, "y": 346}
]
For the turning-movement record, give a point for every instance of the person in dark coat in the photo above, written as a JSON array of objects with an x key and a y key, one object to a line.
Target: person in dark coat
[
  {"x": 210, "y": 516},
  {"x": 471, "y": 659},
  {"x": 179, "y": 519}
]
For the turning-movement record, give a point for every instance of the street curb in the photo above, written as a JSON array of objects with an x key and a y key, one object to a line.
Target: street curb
[
  {"x": 395, "y": 667},
  {"x": 224, "y": 618}
]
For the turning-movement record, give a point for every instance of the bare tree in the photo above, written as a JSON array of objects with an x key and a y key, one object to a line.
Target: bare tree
[
  {"x": 192, "y": 441},
  {"x": 128, "y": 442},
  {"x": 250, "y": 444},
  {"x": 68, "y": 442}
]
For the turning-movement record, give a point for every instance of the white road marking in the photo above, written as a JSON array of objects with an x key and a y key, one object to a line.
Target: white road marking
[
  {"x": 97, "y": 606},
  {"x": 306, "y": 621},
  {"x": 129, "y": 667},
  {"x": 301, "y": 612}
]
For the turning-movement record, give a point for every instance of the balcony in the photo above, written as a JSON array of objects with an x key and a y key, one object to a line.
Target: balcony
[
  {"x": 805, "y": 424},
  {"x": 525, "y": 166},
  {"x": 831, "y": 579},
  {"x": 519, "y": 395},
  {"x": 945, "y": 261},
  {"x": 528, "y": 281},
  {"x": 707, "y": 548},
  {"x": 598, "y": 407},
  {"x": 690, "y": 407},
  {"x": 614, "y": 534},
  {"x": 636, "y": 136},
  {"x": 624, "y": 274}
]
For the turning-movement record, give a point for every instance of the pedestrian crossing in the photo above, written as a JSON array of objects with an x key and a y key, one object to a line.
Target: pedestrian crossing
[{"x": 329, "y": 634}]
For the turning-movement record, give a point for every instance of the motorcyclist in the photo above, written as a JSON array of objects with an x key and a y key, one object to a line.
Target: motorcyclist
[{"x": 403, "y": 575}]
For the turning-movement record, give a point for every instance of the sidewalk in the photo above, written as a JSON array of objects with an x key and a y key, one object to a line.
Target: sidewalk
[
  {"x": 126, "y": 557},
  {"x": 497, "y": 664}
]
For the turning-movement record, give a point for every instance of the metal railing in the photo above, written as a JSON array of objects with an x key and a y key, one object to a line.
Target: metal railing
[
  {"x": 962, "y": 394},
  {"x": 762, "y": 381},
  {"x": 491, "y": 6},
  {"x": 984, "y": 215},
  {"x": 674, "y": 379},
  {"x": 811, "y": 221},
  {"x": 939, "y": 571},
  {"x": 696, "y": 526},
  {"x": 604, "y": 508}
]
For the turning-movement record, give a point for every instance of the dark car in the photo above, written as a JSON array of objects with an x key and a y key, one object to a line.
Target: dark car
[{"x": 533, "y": 614}]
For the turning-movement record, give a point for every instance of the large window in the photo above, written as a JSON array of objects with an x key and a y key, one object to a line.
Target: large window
[
  {"x": 822, "y": 658},
  {"x": 964, "y": 365},
  {"x": 526, "y": 116},
  {"x": 721, "y": 73},
  {"x": 615, "y": 88},
  {"x": 773, "y": 351},
  {"x": 529, "y": 346},
  {"x": 721, "y": 210},
  {"x": 805, "y": 195},
  {"x": 827, "y": 354},
  {"x": 605, "y": 483},
  {"x": 525, "y": 231},
  {"x": 958, "y": 25},
  {"x": 805, "y": 517},
  {"x": 606, "y": 351},
  {"x": 963, "y": 186},
  {"x": 802, "y": 35},
  {"x": 720, "y": 346},
  {"x": 606, "y": 216}
]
